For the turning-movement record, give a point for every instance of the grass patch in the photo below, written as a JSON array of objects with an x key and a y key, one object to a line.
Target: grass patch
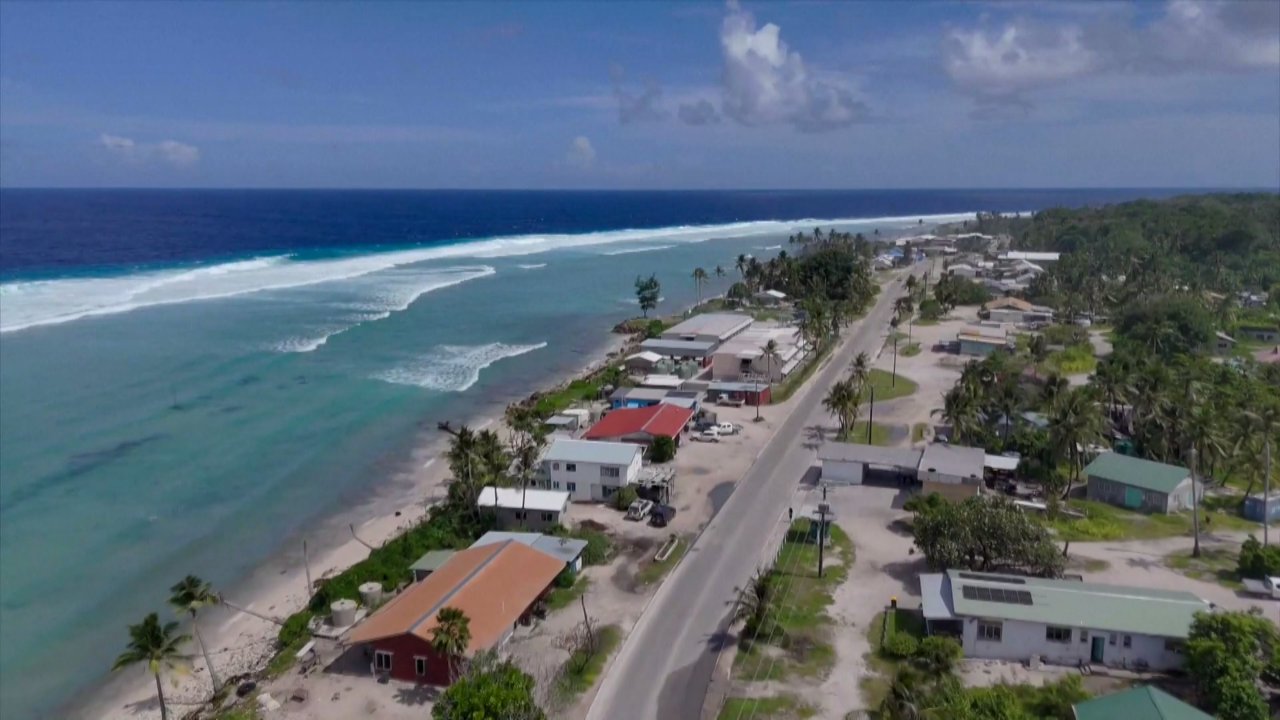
[
  {"x": 246, "y": 711},
  {"x": 579, "y": 673},
  {"x": 652, "y": 571},
  {"x": 917, "y": 432},
  {"x": 895, "y": 336},
  {"x": 926, "y": 322},
  {"x": 911, "y": 350},
  {"x": 1107, "y": 522},
  {"x": 887, "y": 387},
  {"x": 578, "y": 391},
  {"x": 785, "y": 389},
  {"x": 785, "y": 705},
  {"x": 1075, "y": 360},
  {"x": 560, "y": 598},
  {"x": 1214, "y": 565},
  {"x": 796, "y": 642},
  {"x": 1092, "y": 565},
  {"x": 879, "y": 433},
  {"x": 720, "y": 304}
]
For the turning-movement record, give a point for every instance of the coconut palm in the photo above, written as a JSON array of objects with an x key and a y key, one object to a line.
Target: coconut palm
[
  {"x": 1055, "y": 386},
  {"x": 842, "y": 402},
  {"x": 451, "y": 636},
  {"x": 699, "y": 277},
  {"x": 860, "y": 368},
  {"x": 1111, "y": 379},
  {"x": 904, "y": 308},
  {"x": 770, "y": 355},
  {"x": 755, "y": 601},
  {"x": 1008, "y": 400},
  {"x": 741, "y": 264},
  {"x": 1074, "y": 424},
  {"x": 189, "y": 595},
  {"x": 719, "y": 271},
  {"x": 960, "y": 410},
  {"x": 1266, "y": 423},
  {"x": 157, "y": 646},
  {"x": 905, "y": 698}
]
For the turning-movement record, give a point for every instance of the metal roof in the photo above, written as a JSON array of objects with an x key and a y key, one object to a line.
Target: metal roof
[
  {"x": 953, "y": 460},
  {"x": 935, "y": 597},
  {"x": 1138, "y": 703},
  {"x": 736, "y": 386},
  {"x": 719, "y": 325},
  {"x": 1000, "y": 462},
  {"x": 515, "y": 498},
  {"x": 1073, "y": 604},
  {"x": 1145, "y": 474},
  {"x": 591, "y": 451},
  {"x": 869, "y": 454},
  {"x": 678, "y": 348},
  {"x": 562, "y": 548},
  {"x": 432, "y": 560},
  {"x": 639, "y": 393}
]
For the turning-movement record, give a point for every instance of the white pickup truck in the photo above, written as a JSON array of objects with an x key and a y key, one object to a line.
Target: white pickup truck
[{"x": 1267, "y": 587}]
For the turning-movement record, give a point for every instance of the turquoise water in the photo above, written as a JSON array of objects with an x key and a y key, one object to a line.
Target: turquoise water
[{"x": 168, "y": 421}]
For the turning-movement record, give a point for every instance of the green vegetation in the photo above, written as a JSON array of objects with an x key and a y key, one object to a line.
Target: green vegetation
[
  {"x": 986, "y": 535},
  {"x": 1256, "y": 561},
  {"x": 652, "y": 570},
  {"x": 158, "y": 648},
  {"x": 724, "y": 304},
  {"x": 1227, "y": 653},
  {"x": 1108, "y": 522},
  {"x": 784, "y": 609},
  {"x": 785, "y": 706},
  {"x": 662, "y": 449},
  {"x": 584, "y": 665},
  {"x": 576, "y": 392},
  {"x": 1214, "y": 565},
  {"x": 490, "y": 688},
  {"x": 560, "y": 597},
  {"x": 910, "y": 350},
  {"x": 624, "y": 497},
  {"x": 886, "y": 386},
  {"x": 1074, "y": 360},
  {"x": 785, "y": 389},
  {"x": 917, "y": 432},
  {"x": 648, "y": 291},
  {"x": 952, "y": 291},
  {"x": 879, "y": 433}
]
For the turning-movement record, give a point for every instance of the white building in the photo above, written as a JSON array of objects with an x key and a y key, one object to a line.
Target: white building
[
  {"x": 589, "y": 470},
  {"x": 524, "y": 508},
  {"x": 1035, "y": 257},
  {"x": 964, "y": 270},
  {"x": 743, "y": 358},
  {"x": 708, "y": 327},
  {"x": 1061, "y": 622}
]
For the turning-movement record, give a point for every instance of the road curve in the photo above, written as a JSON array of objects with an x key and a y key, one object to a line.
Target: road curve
[{"x": 665, "y": 667}]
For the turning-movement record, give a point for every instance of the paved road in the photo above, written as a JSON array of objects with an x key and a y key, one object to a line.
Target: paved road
[{"x": 666, "y": 664}]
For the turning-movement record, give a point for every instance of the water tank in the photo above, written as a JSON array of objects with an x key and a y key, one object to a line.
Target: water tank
[
  {"x": 371, "y": 594},
  {"x": 343, "y": 613}
]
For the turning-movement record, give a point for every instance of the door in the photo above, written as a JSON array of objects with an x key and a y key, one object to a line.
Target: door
[
  {"x": 1132, "y": 497},
  {"x": 1099, "y": 644}
]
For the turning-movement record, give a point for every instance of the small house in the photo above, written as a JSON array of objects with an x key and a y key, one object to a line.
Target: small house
[
  {"x": 769, "y": 297},
  {"x": 642, "y": 363},
  {"x": 589, "y": 470},
  {"x": 634, "y": 397},
  {"x": 1221, "y": 343},
  {"x": 1141, "y": 485},
  {"x": 524, "y": 508},
  {"x": 977, "y": 344},
  {"x": 565, "y": 549},
  {"x": 1062, "y": 622},
  {"x": 641, "y": 425},
  {"x": 1258, "y": 506},
  {"x": 953, "y": 471},
  {"x": 1137, "y": 703},
  {"x": 429, "y": 563},
  {"x": 1261, "y": 333}
]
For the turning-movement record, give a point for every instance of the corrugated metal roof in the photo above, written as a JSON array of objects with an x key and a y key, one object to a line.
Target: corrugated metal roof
[
  {"x": 539, "y": 500},
  {"x": 719, "y": 325},
  {"x": 592, "y": 451},
  {"x": 935, "y": 597},
  {"x": 1145, "y": 474},
  {"x": 432, "y": 560},
  {"x": 1139, "y": 703},
  {"x": 678, "y": 348},
  {"x": 1072, "y": 604},
  {"x": 869, "y": 454},
  {"x": 562, "y": 548},
  {"x": 953, "y": 460}
]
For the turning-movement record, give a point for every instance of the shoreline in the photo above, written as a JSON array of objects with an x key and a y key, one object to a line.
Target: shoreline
[{"x": 241, "y": 643}]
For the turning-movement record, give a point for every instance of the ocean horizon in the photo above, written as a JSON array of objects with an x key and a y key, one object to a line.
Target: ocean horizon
[{"x": 191, "y": 378}]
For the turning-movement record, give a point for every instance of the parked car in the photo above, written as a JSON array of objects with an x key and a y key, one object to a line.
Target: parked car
[
  {"x": 727, "y": 428},
  {"x": 709, "y": 435},
  {"x": 639, "y": 509},
  {"x": 661, "y": 515},
  {"x": 1266, "y": 587}
]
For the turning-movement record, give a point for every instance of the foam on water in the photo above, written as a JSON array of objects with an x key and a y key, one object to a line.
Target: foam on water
[
  {"x": 29, "y": 304},
  {"x": 453, "y": 368},
  {"x": 629, "y": 251},
  {"x": 532, "y": 267}
]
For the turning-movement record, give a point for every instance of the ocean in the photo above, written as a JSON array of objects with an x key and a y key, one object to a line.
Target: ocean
[{"x": 190, "y": 379}]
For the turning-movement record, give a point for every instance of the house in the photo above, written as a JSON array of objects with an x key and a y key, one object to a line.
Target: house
[
  {"x": 699, "y": 350},
  {"x": 630, "y": 397},
  {"x": 1137, "y": 703},
  {"x": 750, "y": 393},
  {"x": 953, "y": 471},
  {"x": 533, "y": 509},
  {"x": 1262, "y": 333},
  {"x": 972, "y": 343},
  {"x": 1138, "y": 484},
  {"x": 565, "y": 549},
  {"x": 495, "y": 586},
  {"x": 642, "y": 363},
  {"x": 662, "y": 382},
  {"x": 1015, "y": 310},
  {"x": 769, "y": 297},
  {"x": 589, "y": 470},
  {"x": 708, "y": 327},
  {"x": 853, "y": 464},
  {"x": 1063, "y": 622},
  {"x": 964, "y": 270},
  {"x": 641, "y": 425},
  {"x": 1257, "y": 506},
  {"x": 1221, "y": 343},
  {"x": 429, "y": 563},
  {"x": 1035, "y": 257},
  {"x": 569, "y": 421},
  {"x": 743, "y": 357}
]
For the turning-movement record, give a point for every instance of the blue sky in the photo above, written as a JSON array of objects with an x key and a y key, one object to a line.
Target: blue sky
[{"x": 640, "y": 95}]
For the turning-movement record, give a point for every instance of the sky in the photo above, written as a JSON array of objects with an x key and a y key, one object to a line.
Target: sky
[{"x": 644, "y": 95}]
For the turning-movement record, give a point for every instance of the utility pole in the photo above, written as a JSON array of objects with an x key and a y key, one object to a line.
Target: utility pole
[
  {"x": 1195, "y": 510},
  {"x": 893, "y": 382},
  {"x": 871, "y": 415},
  {"x": 306, "y": 563},
  {"x": 824, "y": 511},
  {"x": 1266, "y": 490}
]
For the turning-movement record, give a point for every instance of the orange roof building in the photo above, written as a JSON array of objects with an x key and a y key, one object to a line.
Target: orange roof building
[{"x": 495, "y": 586}]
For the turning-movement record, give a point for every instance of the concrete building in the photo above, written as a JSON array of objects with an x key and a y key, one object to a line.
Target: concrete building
[
  {"x": 1141, "y": 485},
  {"x": 699, "y": 350},
  {"x": 977, "y": 344},
  {"x": 964, "y": 270},
  {"x": 1261, "y": 333},
  {"x": 633, "y": 397},
  {"x": 495, "y": 586},
  {"x": 953, "y": 471},
  {"x": 1254, "y": 507},
  {"x": 1062, "y": 622},
  {"x": 642, "y": 363},
  {"x": 641, "y": 425},
  {"x": 769, "y": 297},
  {"x": 526, "y": 509},
  {"x": 1137, "y": 703},
  {"x": 743, "y": 356},
  {"x": 565, "y": 549},
  {"x": 853, "y": 464},
  {"x": 750, "y": 393},
  {"x": 708, "y": 327},
  {"x": 1035, "y": 257},
  {"x": 589, "y": 470},
  {"x": 1221, "y": 343},
  {"x": 1015, "y": 310}
]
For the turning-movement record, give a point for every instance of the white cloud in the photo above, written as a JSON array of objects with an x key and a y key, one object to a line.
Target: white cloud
[
  {"x": 701, "y": 112},
  {"x": 764, "y": 82},
  {"x": 581, "y": 154},
  {"x": 172, "y": 152},
  {"x": 1001, "y": 66},
  {"x": 645, "y": 106}
]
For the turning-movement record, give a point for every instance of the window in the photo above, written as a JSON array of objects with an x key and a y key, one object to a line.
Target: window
[
  {"x": 571, "y": 467},
  {"x": 419, "y": 665},
  {"x": 610, "y": 472},
  {"x": 1128, "y": 641},
  {"x": 518, "y": 514},
  {"x": 571, "y": 487},
  {"x": 1057, "y": 634},
  {"x": 381, "y": 661},
  {"x": 607, "y": 490},
  {"x": 555, "y": 466},
  {"x": 548, "y": 517},
  {"x": 1173, "y": 646},
  {"x": 1084, "y": 636},
  {"x": 1112, "y": 639},
  {"x": 555, "y": 485},
  {"x": 990, "y": 631}
]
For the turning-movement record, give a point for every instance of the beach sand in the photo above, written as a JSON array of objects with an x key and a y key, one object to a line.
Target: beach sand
[{"x": 241, "y": 643}]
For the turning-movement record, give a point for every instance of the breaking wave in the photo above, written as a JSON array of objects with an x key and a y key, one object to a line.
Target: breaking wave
[{"x": 453, "y": 368}]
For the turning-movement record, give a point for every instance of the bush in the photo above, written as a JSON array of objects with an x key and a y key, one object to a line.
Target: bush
[
  {"x": 919, "y": 502},
  {"x": 901, "y": 645},
  {"x": 1074, "y": 360},
  {"x": 662, "y": 449},
  {"x": 1257, "y": 561},
  {"x": 930, "y": 309},
  {"x": 566, "y": 578},
  {"x": 653, "y": 329},
  {"x": 295, "y": 628},
  {"x": 937, "y": 655},
  {"x": 1066, "y": 335},
  {"x": 624, "y": 497}
]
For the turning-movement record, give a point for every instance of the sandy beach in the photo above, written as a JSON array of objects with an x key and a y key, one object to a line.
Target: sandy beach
[{"x": 241, "y": 643}]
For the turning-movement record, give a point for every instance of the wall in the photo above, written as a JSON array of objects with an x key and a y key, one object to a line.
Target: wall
[
  {"x": 1113, "y": 493},
  {"x": 508, "y": 519},
  {"x": 403, "y": 649},
  {"x": 976, "y": 348},
  {"x": 588, "y": 484},
  {"x": 954, "y": 492},
  {"x": 1021, "y": 640},
  {"x": 842, "y": 472}
]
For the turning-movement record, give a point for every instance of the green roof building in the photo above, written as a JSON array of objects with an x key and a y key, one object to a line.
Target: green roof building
[
  {"x": 1139, "y": 703},
  {"x": 1140, "y": 485}
]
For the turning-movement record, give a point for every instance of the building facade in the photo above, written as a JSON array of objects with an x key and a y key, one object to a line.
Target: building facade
[
  {"x": 527, "y": 509},
  {"x": 1140, "y": 485},
  {"x": 589, "y": 470}
]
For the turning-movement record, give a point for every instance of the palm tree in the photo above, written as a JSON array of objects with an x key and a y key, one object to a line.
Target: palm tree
[
  {"x": 1266, "y": 422},
  {"x": 719, "y": 271},
  {"x": 1008, "y": 400},
  {"x": 157, "y": 646},
  {"x": 1110, "y": 379},
  {"x": 189, "y": 595},
  {"x": 1074, "y": 424},
  {"x": 755, "y": 601},
  {"x": 741, "y": 265},
  {"x": 861, "y": 368},
  {"x": 451, "y": 637},
  {"x": 699, "y": 277},
  {"x": 905, "y": 697},
  {"x": 903, "y": 308},
  {"x": 842, "y": 402},
  {"x": 1055, "y": 386},
  {"x": 960, "y": 410},
  {"x": 771, "y": 354}
]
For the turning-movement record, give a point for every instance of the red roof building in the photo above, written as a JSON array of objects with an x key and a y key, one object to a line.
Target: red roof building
[{"x": 641, "y": 425}]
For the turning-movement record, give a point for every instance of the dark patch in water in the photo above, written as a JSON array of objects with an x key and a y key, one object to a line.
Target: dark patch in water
[
  {"x": 204, "y": 398},
  {"x": 77, "y": 465},
  {"x": 231, "y": 409},
  {"x": 248, "y": 380},
  {"x": 719, "y": 495},
  {"x": 300, "y": 379}
]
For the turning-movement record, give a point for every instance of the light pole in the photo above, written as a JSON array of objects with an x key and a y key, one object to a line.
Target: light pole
[
  {"x": 893, "y": 381},
  {"x": 871, "y": 414}
]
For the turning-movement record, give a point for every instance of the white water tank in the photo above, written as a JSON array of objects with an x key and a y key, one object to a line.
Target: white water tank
[
  {"x": 342, "y": 613},
  {"x": 371, "y": 594}
]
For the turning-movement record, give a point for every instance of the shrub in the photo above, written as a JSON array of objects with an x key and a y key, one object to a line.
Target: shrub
[
  {"x": 624, "y": 497},
  {"x": 930, "y": 309},
  {"x": 1257, "y": 561},
  {"x": 295, "y": 628},
  {"x": 1074, "y": 360},
  {"x": 566, "y": 578},
  {"x": 901, "y": 645},
  {"x": 653, "y": 329},
  {"x": 599, "y": 548},
  {"x": 919, "y": 502},
  {"x": 662, "y": 449},
  {"x": 1066, "y": 335},
  {"x": 937, "y": 655}
]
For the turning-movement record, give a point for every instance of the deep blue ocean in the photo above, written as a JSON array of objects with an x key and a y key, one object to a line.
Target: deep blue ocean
[{"x": 190, "y": 379}]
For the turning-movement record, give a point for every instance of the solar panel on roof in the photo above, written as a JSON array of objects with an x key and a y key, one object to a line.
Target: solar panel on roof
[
  {"x": 1000, "y": 595},
  {"x": 992, "y": 579}
]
